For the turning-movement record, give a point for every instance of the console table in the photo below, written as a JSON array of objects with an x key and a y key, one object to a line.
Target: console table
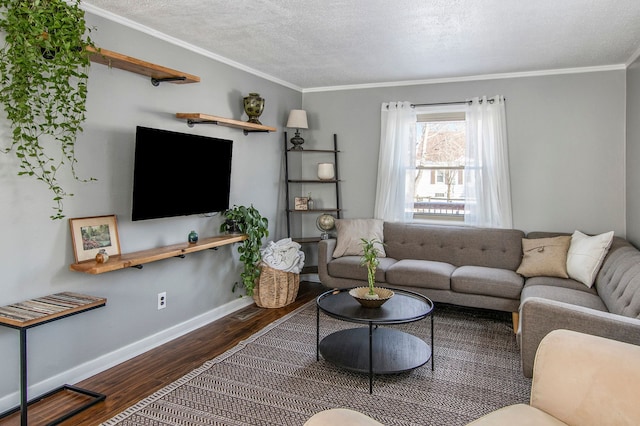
[{"x": 32, "y": 313}]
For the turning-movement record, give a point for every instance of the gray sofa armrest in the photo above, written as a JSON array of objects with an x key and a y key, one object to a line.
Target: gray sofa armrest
[
  {"x": 538, "y": 317},
  {"x": 325, "y": 254}
]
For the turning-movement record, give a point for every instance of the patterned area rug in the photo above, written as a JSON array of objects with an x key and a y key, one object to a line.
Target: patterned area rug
[{"x": 273, "y": 378}]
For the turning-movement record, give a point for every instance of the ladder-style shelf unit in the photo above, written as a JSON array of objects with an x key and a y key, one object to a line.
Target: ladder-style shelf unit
[
  {"x": 194, "y": 118},
  {"x": 157, "y": 73},
  {"x": 335, "y": 209},
  {"x": 139, "y": 258}
]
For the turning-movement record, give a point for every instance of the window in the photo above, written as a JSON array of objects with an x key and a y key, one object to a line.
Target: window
[{"x": 440, "y": 158}]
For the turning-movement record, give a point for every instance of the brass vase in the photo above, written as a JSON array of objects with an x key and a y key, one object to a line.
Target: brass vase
[{"x": 253, "y": 106}]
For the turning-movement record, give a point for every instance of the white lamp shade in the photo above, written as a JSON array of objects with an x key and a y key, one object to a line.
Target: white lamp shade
[{"x": 297, "y": 119}]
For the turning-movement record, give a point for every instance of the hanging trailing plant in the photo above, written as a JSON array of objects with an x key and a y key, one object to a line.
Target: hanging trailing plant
[{"x": 43, "y": 71}]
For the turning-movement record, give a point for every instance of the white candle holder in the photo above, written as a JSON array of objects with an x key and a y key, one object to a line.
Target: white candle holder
[{"x": 326, "y": 171}]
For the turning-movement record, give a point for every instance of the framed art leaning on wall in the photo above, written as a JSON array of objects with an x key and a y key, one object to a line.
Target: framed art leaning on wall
[{"x": 89, "y": 235}]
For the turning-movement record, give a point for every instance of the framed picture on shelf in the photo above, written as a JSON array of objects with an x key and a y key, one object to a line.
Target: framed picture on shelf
[
  {"x": 91, "y": 234},
  {"x": 301, "y": 203}
]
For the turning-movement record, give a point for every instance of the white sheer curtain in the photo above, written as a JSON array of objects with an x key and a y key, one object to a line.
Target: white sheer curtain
[
  {"x": 486, "y": 174},
  {"x": 396, "y": 163}
]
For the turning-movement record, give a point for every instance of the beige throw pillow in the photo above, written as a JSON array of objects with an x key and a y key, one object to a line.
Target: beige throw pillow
[
  {"x": 350, "y": 233},
  {"x": 545, "y": 257},
  {"x": 586, "y": 255}
]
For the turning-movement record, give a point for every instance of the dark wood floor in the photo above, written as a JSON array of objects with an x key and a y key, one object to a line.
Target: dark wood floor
[{"x": 133, "y": 380}]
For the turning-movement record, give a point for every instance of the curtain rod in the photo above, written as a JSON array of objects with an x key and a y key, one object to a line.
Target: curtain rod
[
  {"x": 453, "y": 103},
  {"x": 442, "y": 103}
]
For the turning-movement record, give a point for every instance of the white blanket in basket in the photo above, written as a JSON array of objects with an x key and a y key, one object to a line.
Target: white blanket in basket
[{"x": 284, "y": 255}]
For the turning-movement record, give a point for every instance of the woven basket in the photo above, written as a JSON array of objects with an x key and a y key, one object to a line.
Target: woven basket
[{"x": 275, "y": 288}]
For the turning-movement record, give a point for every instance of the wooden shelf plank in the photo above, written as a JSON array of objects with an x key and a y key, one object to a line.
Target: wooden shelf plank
[
  {"x": 329, "y": 151},
  {"x": 312, "y": 181},
  {"x": 198, "y": 117},
  {"x": 151, "y": 255},
  {"x": 307, "y": 240},
  {"x": 127, "y": 63},
  {"x": 314, "y": 210}
]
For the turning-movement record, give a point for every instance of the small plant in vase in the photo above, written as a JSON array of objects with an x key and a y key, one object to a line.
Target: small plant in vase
[
  {"x": 371, "y": 296},
  {"x": 371, "y": 261}
]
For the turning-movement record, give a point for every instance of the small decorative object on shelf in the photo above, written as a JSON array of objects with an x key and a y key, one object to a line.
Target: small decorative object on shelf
[
  {"x": 301, "y": 203},
  {"x": 253, "y": 106},
  {"x": 193, "y": 237},
  {"x": 325, "y": 223},
  {"x": 102, "y": 256},
  {"x": 310, "y": 203},
  {"x": 326, "y": 171},
  {"x": 297, "y": 120}
]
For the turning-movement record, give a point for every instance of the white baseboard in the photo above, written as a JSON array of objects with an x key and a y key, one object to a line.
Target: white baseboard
[
  {"x": 310, "y": 277},
  {"x": 104, "y": 362}
]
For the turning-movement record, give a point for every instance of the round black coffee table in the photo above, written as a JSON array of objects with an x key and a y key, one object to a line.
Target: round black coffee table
[{"x": 374, "y": 349}]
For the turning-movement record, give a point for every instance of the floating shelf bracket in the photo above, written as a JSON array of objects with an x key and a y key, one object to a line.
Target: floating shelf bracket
[{"x": 156, "y": 81}]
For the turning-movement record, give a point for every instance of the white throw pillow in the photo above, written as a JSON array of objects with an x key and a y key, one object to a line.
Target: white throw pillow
[
  {"x": 350, "y": 233},
  {"x": 586, "y": 255}
]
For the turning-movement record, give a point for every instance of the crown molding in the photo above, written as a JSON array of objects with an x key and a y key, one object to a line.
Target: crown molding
[
  {"x": 469, "y": 78},
  {"x": 162, "y": 36},
  {"x": 633, "y": 57}
]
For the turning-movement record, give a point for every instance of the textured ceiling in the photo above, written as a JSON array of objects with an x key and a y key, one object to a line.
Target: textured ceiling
[{"x": 320, "y": 43}]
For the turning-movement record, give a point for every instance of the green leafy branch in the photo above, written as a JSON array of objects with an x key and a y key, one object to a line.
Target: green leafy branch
[
  {"x": 256, "y": 227},
  {"x": 43, "y": 76}
]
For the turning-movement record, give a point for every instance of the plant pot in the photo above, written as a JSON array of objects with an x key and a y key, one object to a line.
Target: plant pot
[
  {"x": 233, "y": 226},
  {"x": 360, "y": 294}
]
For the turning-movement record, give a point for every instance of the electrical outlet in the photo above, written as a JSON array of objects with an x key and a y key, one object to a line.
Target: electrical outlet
[{"x": 162, "y": 300}]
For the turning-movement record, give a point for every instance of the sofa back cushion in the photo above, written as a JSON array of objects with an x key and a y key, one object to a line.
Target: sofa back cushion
[
  {"x": 457, "y": 245},
  {"x": 618, "y": 282}
]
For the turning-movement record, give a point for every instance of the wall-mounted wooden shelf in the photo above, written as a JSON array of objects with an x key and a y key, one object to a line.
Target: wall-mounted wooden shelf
[
  {"x": 199, "y": 118},
  {"x": 139, "y": 258},
  {"x": 157, "y": 73}
]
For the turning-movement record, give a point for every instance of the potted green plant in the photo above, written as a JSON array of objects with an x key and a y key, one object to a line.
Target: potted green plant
[
  {"x": 371, "y": 296},
  {"x": 43, "y": 75},
  {"x": 370, "y": 261},
  {"x": 249, "y": 221}
]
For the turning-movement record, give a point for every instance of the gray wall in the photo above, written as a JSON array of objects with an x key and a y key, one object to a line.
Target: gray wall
[
  {"x": 633, "y": 153},
  {"x": 35, "y": 252},
  {"x": 566, "y": 144}
]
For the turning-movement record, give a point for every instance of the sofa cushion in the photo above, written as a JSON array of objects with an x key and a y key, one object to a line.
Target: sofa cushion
[
  {"x": 420, "y": 273},
  {"x": 457, "y": 245},
  {"x": 487, "y": 281},
  {"x": 586, "y": 255},
  {"x": 545, "y": 257},
  {"x": 352, "y": 231},
  {"x": 559, "y": 282},
  {"x": 349, "y": 267},
  {"x": 565, "y": 295}
]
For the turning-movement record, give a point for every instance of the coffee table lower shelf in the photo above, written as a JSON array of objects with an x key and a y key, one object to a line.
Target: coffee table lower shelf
[{"x": 375, "y": 350}]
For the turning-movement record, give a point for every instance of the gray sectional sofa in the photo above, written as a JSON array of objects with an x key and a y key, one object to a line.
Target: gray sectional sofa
[{"x": 476, "y": 267}]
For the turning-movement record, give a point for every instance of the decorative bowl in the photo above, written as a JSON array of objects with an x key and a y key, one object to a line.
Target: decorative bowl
[{"x": 360, "y": 294}]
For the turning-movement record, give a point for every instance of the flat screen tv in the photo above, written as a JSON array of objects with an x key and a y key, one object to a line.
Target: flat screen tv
[{"x": 178, "y": 174}]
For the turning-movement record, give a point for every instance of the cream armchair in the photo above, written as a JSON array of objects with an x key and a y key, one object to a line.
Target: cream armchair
[{"x": 578, "y": 379}]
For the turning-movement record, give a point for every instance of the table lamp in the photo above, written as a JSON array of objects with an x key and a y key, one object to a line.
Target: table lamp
[{"x": 297, "y": 120}]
